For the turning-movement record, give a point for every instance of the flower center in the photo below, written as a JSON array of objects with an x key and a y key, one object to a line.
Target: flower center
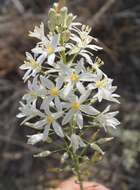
[
  {"x": 33, "y": 94},
  {"x": 50, "y": 119},
  {"x": 33, "y": 64},
  {"x": 54, "y": 92},
  {"x": 100, "y": 84},
  {"x": 50, "y": 50},
  {"x": 74, "y": 77},
  {"x": 75, "y": 106}
]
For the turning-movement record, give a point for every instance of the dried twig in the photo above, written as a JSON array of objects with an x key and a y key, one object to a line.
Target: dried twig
[
  {"x": 18, "y": 6},
  {"x": 95, "y": 19}
]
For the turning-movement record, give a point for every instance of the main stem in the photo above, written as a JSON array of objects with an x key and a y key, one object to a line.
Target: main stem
[
  {"x": 75, "y": 158},
  {"x": 77, "y": 170}
]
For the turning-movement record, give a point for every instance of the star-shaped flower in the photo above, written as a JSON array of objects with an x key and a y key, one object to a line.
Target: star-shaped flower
[
  {"x": 107, "y": 119},
  {"x": 76, "y": 107},
  {"x": 32, "y": 65},
  {"x": 35, "y": 90},
  {"x": 75, "y": 77},
  {"x": 48, "y": 48},
  {"x": 104, "y": 87},
  {"x": 54, "y": 91}
]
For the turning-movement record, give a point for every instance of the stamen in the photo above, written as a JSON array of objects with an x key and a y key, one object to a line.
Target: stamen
[
  {"x": 74, "y": 77},
  {"x": 75, "y": 106},
  {"x": 54, "y": 92},
  {"x": 50, "y": 119}
]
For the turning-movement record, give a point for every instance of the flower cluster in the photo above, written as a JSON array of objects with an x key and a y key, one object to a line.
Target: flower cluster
[{"x": 65, "y": 85}]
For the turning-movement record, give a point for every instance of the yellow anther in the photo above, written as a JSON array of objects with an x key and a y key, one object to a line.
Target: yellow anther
[
  {"x": 74, "y": 77},
  {"x": 50, "y": 119},
  {"x": 75, "y": 106},
  {"x": 100, "y": 84},
  {"x": 54, "y": 92},
  {"x": 50, "y": 50},
  {"x": 34, "y": 64},
  {"x": 33, "y": 94}
]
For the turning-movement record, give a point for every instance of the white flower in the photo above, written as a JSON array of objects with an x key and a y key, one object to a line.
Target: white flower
[
  {"x": 47, "y": 120},
  {"x": 35, "y": 90},
  {"x": 107, "y": 119},
  {"x": 74, "y": 77},
  {"x": 104, "y": 86},
  {"x": 76, "y": 107},
  {"x": 33, "y": 139},
  {"x": 48, "y": 48},
  {"x": 76, "y": 142},
  {"x": 83, "y": 43},
  {"x": 38, "y": 32},
  {"x": 28, "y": 111},
  {"x": 54, "y": 91},
  {"x": 33, "y": 66}
]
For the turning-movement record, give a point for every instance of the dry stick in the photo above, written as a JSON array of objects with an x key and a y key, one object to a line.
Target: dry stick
[
  {"x": 95, "y": 19},
  {"x": 18, "y": 6},
  {"x": 101, "y": 12}
]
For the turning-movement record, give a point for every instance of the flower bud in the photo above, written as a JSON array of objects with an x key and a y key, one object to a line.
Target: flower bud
[
  {"x": 43, "y": 154},
  {"x": 97, "y": 148},
  {"x": 63, "y": 13},
  {"x": 64, "y": 157},
  {"x": 69, "y": 19},
  {"x": 52, "y": 15},
  {"x": 66, "y": 36},
  {"x": 104, "y": 140}
]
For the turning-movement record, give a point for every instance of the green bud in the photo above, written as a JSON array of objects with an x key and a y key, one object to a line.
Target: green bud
[
  {"x": 52, "y": 14},
  {"x": 51, "y": 26},
  {"x": 97, "y": 148},
  {"x": 63, "y": 13},
  {"x": 55, "y": 6},
  {"x": 66, "y": 35},
  {"x": 69, "y": 19},
  {"x": 58, "y": 19},
  {"x": 96, "y": 157},
  {"x": 95, "y": 135}
]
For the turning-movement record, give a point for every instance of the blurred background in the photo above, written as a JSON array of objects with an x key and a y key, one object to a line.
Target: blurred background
[{"x": 116, "y": 23}]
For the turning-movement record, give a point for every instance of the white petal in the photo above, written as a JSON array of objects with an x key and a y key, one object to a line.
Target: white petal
[
  {"x": 46, "y": 103},
  {"x": 84, "y": 97},
  {"x": 79, "y": 119},
  {"x": 87, "y": 57},
  {"x": 87, "y": 77},
  {"x": 39, "y": 124},
  {"x": 51, "y": 59},
  {"x": 68, "y": 117},
  {"x": 80, "y": 87},
  {"x": 41, "y": 58},
  {"x": 33, "y": 139},
  {"x": 46, "y": 82},
  {"x": 57, "y": 128},
  {"x": 76, "y": 142},
  {"x": 46, "y": 132},
  {"x": 67, "y": 89},
  {"x": 58, "y": 115},
  {"x": 89, "y": 110},
  {"x": 94, "y": 47},
  {"x": 58, "y": 104},
  {"x": 59, "y": 82}
]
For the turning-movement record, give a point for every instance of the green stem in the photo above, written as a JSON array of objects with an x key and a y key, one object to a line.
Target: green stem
[
  {"x": 75, "y": 159},
  {"x": 77, "y": 170}
]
